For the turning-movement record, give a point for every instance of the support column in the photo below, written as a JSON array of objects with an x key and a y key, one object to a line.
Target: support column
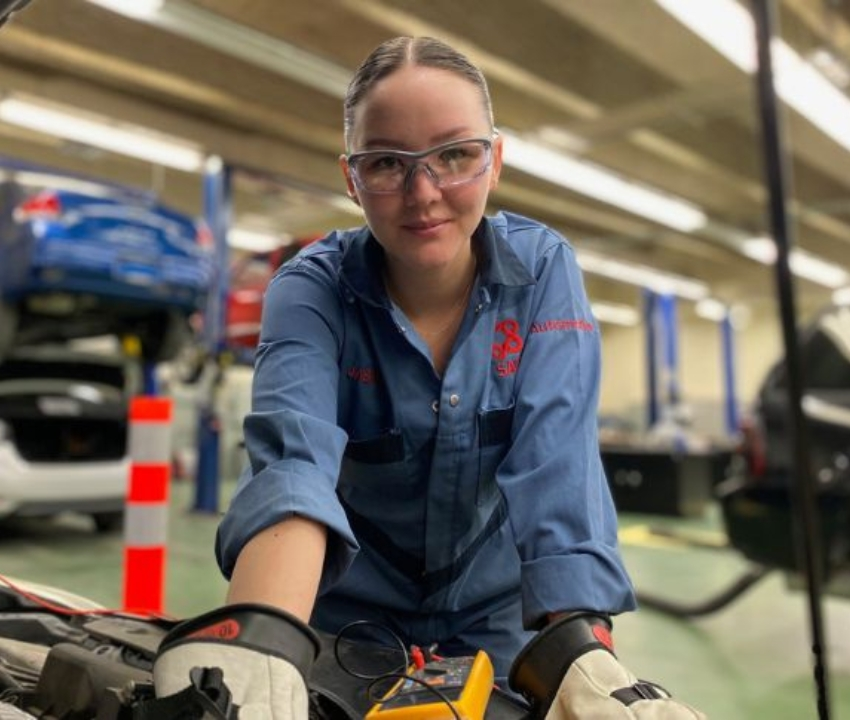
[
  {"x": 652, "y": 402},
  {"x": 727, "y": 340},
  {"x": 669, "y": 321},
  {"x": 217, "y": 210},
  {"x": 662, "y": 347}
]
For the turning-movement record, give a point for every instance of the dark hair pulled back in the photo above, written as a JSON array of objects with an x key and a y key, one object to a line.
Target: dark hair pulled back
[{"x": 398, "y": 52}]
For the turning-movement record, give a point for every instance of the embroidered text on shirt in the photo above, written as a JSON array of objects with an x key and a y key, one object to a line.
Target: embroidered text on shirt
[
  {"x": 364, "y": 375},
  {"x": 555, "y": 325}
]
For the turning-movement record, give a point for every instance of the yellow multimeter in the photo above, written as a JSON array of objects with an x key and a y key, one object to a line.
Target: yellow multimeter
[{"x": 466, "y": 682}]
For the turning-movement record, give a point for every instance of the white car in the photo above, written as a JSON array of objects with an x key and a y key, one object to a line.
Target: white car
[{"x": 63, "y": 434}]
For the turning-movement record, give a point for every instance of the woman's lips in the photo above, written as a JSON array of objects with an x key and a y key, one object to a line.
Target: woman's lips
[{"x": 425, "y": 227}]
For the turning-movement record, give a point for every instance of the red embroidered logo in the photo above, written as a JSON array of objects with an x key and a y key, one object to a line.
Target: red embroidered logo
[
  {"x": 364, "y": 375},
  {"x": 224, "y": 630},
  {"x": 603, "y": 635},
  {"x": 511, "y": 345}
]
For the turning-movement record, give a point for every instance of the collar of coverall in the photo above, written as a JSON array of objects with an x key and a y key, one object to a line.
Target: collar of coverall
[{"x": 497, "y": 262}]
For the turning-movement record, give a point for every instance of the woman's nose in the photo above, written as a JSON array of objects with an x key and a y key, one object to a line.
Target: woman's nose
[{"x": 420, "y": 185}]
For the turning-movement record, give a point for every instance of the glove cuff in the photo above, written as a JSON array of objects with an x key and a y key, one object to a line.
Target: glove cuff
[
  {"x": 541, "y": 665},
  {"x": 261, "y": 628}
]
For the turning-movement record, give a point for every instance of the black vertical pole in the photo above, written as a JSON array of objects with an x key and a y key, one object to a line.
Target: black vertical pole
[
  {"x": 806, "y": 517},
  {"x": 650, "y": 303}
]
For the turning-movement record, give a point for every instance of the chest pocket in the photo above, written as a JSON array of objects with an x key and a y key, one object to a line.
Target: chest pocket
[
  {"x": 494, "y": 435},
  {"x": 380, "y": 450},
  {"x": 380, "y": 467},
  {"x": 381, "y": 486}
]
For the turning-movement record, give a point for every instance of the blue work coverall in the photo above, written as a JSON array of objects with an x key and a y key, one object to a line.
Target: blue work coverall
[{"x": 463, "y": 508}]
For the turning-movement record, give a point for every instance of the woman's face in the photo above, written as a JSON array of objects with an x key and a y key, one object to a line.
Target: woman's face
[{"x": 423, "y": 227}]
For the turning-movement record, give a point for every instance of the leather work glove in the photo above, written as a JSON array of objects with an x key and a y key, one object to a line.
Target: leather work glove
[
  {"x": 569, "y": 672},
  {"x": 244, "y": 661}
]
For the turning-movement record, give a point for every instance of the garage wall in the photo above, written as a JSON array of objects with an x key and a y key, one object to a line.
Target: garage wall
[{"x": 624, "y": 385}]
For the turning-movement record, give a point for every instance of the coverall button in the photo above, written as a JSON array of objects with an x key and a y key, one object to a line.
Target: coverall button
[
  {"x": 435, "y": 406},
  {"x": 454, "y": 399}
]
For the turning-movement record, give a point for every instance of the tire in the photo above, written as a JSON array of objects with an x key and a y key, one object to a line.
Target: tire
[
  {"x": 8, "y": 328},
  {"x": 108, "y": 522},
  {"x": 163, "y": 335}
]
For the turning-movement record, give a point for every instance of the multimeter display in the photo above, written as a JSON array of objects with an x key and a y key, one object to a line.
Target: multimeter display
[{"x": 466, "y": 682}]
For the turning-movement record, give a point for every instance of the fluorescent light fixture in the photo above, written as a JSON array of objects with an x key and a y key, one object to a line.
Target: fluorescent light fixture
[
  {"x": 740, "y": 316},
  {"x": 817, "y": 270},
  {"x": 139, "y": 9},
  {"x": 199, "y": 25},
  {"x": 711, "y": 309},
  {"x": 837, "y": 71},
  {"x": 601, "y": 184},
  {"x": 556, "y": 137},
  {"x": 96, "y": 131},
  {"x": 615, "y": 314},
  {"x": 724, "y": 24},
  {"x": 802, "y": 263},
  {"x": 213, "y": 164},
  {"x": 760, "y": 249},
  {"x": 61, "y": 182},
  {"x": 842, "y": 296},
  {"x": 806, "y": 90},
  {"x": 728, "y": 27},
  {"x": 642, "y": 276},
  {"x": 256, "y": 240}
]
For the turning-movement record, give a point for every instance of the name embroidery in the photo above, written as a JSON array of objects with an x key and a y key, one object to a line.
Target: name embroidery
[{"x": 363, "y": 375}]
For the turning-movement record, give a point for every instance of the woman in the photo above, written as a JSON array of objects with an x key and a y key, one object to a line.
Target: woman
[{"x": 422, "y": 441}]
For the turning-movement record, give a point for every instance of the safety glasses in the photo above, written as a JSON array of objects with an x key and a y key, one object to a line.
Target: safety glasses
[{"x": 448, "y": 165}]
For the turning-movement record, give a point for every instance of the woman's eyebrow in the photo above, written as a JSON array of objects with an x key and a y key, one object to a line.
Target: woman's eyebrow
[{"x": 459, "y": 133}]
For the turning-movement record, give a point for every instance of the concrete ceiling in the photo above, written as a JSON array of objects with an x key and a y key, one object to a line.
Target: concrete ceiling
[{"x": 259, "y": 83}]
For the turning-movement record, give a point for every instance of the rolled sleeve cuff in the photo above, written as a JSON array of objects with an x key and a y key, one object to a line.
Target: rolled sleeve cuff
[
  {"x": 574, "y": 582},
  {"x": 280, "y": 491}
]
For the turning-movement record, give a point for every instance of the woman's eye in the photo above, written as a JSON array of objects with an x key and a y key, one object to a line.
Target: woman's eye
[
  {"x": 452, "y": 155},
  {"x": 383, "y": 163}
]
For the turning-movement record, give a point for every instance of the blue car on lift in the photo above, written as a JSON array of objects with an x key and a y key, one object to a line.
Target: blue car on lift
[{"x": 82, "y": 258}]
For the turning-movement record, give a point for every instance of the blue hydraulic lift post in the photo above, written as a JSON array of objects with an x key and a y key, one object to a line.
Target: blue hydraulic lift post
[
  {"x": 727, "y": 341},
  {"x": 149, "y": 383},
  {"x": 649, "y": 305},
  {"x": 217, "y": 209},
  {"x": 670, "y": 335}
]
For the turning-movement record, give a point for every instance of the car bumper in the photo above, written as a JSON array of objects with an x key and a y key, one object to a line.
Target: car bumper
[{"x": 46, "y": 488}]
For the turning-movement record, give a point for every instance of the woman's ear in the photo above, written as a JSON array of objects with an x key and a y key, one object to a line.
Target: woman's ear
[
  {"x": 349, "y": 182},
  {"x": 496, "y": 165}
]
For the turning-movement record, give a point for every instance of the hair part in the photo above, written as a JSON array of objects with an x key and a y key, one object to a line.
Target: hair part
[{"x": 393, "y": 54}]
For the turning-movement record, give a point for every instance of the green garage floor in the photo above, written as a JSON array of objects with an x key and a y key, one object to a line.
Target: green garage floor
[{"x": 749, "y": 661}]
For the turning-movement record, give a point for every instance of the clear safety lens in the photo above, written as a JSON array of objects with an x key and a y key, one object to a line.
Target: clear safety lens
[{"x": 449, "y": 164}]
